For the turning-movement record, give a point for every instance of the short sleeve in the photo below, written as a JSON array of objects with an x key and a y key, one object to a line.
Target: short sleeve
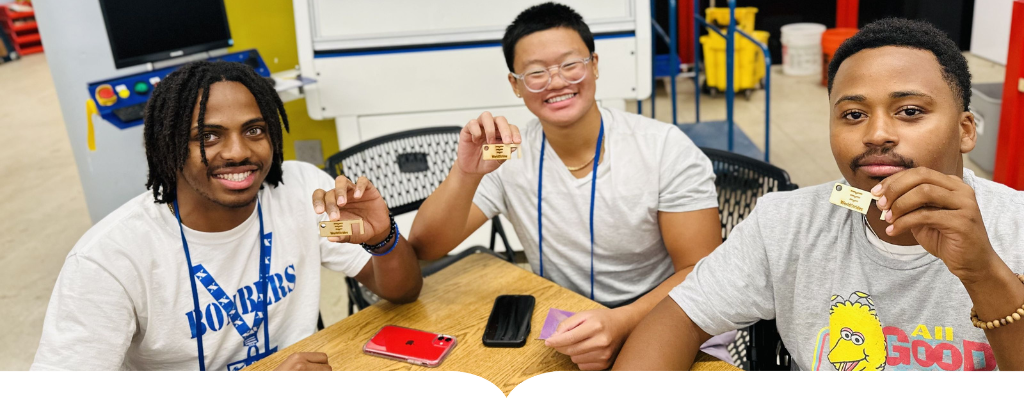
[
  {"x": 687, "y": 180},
  {"x": 490, "y": 195},
  {"x": 732, "y": 287},
  {"x": 90, "y": 320}
]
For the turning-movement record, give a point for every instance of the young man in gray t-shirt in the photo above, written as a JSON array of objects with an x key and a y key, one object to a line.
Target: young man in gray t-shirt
[{"x": 930, "y": 286}]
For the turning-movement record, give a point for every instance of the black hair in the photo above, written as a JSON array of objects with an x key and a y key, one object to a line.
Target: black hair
[
  {"x": 168, "y": 120},
  {"x": 539, "y": 18},
  {"x": 912, "y": 34}
]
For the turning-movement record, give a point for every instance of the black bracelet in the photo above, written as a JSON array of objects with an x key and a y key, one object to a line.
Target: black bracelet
[{"x": 391, "y": 235}]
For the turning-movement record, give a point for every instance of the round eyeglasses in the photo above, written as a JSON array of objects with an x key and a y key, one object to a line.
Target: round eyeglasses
[{"x": 572, "y": 71}]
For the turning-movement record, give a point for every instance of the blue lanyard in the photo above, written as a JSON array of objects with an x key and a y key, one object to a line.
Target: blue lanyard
[
  {"x": 250, "y": 339},
  {"x": 593, "y": 194}
]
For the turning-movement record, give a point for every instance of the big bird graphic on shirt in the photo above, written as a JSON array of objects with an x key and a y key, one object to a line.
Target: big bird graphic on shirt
[{"x": 855, "y": 334}]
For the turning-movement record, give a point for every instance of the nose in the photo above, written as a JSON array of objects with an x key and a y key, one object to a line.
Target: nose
[
  {"x": 881, "y": 131},
  {"x": 557, "y": 82},
  {"x": 236, "y": 148}
]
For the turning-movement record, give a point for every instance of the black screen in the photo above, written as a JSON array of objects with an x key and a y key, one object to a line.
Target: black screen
[{"x": 143, "y": 31}]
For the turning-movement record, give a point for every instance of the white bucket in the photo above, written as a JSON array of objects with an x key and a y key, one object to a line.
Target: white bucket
[{"x": 801, "y": 48}]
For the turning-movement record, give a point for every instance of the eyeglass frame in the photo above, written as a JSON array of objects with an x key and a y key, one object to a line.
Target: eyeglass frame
[{"x": 585, "y": 61}]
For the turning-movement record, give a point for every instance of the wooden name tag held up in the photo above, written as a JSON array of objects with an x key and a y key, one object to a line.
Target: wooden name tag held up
[
  {"x": 852, "y": 198},
  {"x": 339, "y": 228},
  {"x": 501, "y": 151}
]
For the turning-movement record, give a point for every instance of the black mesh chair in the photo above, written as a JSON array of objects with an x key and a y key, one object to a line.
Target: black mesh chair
[
  {"x": 740, "y": 181},
  {"x": 406, "y": 167}
]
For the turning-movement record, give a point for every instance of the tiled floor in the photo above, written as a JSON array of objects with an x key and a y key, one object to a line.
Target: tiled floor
[{"x": 43, "y": 210}]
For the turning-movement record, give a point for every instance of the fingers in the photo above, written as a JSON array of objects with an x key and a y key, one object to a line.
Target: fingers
[
  {"x": 593, "y": 366},
  {"x": 578, "y": 333},
  {"x": 363, "y": 190},
  {"x": 594, "y": 343},
  {"x": 361, "y": 185},
  {"x": 896, "y": 185},
  {"x": 940, "y": 219},
  {"x": 331, "y": 205},
  {"x": 318, "y": 201},
  {"x": 504, "y": 132},
  {"x": 314, "y": 357},
  {"x": 603, "y": 356},
  {"x": 490, "y": 129},
  {"x": 490, "y": 132},
  {"x": 306, "y": 361},
  {"x": 924, "y": 195},
  {"x": 472, "y": 132},
  {"x": 342, "y": 185},
  {"x": 571, "y": 322}
]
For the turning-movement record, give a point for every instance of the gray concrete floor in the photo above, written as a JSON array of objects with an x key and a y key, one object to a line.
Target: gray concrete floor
[{"x": 43, "y": 210}]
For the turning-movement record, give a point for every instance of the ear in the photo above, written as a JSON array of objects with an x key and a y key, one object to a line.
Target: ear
[
  {"x": 594, "y": 62},
  {"x": 968, "y": 132},
  {"x": 515, "y": 86}
]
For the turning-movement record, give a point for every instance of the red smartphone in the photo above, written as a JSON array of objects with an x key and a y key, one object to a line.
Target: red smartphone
[{"x": 410, "y": 345}]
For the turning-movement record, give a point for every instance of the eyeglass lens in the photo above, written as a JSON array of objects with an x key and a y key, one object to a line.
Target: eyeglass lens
[{"x": 572, "y": 72}]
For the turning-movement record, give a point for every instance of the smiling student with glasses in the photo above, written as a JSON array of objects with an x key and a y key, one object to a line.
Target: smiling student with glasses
[{"x": 614, "y": 206}]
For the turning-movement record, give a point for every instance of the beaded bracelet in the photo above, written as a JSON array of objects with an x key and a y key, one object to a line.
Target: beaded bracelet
[
  {"x": 391, "y": 235},
  {"x": 1013, "y": 317}
]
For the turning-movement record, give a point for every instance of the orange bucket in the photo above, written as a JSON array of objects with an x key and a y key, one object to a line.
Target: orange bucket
[{"x": 830, "y": 41}]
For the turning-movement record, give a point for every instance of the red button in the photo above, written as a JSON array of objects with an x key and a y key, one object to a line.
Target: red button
[{"x": 106, "y": 92}]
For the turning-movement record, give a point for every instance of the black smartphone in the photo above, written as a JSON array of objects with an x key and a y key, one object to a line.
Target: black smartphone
[{"x": 509, "y": 324}]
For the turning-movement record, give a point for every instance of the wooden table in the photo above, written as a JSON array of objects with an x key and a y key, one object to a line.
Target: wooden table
[{"x": 457, "y": 301}]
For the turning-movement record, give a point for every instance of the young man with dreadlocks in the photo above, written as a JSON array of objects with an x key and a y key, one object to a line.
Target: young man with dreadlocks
[
  {"x": 924, "y": 281},
  {"x": 224, "y": 267}
]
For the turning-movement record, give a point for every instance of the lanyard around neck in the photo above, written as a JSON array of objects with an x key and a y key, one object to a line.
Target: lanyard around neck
[
  {"x": 593, "y": 194},
  {"x": 264, "y": 265}
]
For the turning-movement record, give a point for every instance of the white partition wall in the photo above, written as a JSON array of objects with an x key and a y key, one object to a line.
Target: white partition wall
[{"x": 382, "y": 58}]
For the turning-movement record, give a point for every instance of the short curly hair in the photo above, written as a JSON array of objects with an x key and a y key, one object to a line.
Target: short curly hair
[{"x": 915, "y": 35}]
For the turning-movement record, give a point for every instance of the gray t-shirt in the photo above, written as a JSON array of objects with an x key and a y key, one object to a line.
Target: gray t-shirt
[
  {"x": 648, "y": 166},
  {"x": 840, "y": 303}
]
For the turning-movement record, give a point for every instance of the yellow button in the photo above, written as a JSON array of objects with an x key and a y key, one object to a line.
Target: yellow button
[{"x": 123, "y": 91}]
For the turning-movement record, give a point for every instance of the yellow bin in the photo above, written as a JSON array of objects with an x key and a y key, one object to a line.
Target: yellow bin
[
  {"x": 748, "y": 65},
  {"x": 719, "y": 16}
]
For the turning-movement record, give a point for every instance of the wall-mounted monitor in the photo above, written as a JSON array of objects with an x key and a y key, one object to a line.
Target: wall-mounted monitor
[{"x": 154, "y": 30}]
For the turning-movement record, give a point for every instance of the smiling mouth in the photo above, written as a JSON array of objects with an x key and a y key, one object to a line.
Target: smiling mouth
[
  {"x": 234, "y": 177},
  {"x": 847, "y": 366},
  {"x": 563, "y": 97}
]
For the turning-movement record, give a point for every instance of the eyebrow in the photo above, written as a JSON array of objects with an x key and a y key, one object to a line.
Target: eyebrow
[
  {"x": 219, "y": 127},
  {"x": 899, "y": 94},
  {"x": 542, "y": 61},
  {"x": 907, "y": 93},
  {"x": 852, "y": 98}
]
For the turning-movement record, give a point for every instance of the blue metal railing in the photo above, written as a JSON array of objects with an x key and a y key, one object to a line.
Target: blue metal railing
[
  {"x": 672, "y": 39},
  {"x": 730, "y": 93}
]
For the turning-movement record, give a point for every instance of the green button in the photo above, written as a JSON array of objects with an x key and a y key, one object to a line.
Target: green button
[{"x": 141, "y": 88}]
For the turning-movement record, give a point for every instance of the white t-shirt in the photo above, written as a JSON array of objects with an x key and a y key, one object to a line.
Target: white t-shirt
[
  {"x": 648, "y": 166},
  {"x": 123, "y": 299}
]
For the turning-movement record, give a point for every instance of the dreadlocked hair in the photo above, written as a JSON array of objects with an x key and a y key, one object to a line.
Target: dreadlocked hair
[{"x": 168, "y": 120}]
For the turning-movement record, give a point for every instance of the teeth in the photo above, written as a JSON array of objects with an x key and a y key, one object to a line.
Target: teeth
[
  {"x": 561, "y": 98},
  {"x": 235, "y": 177}
]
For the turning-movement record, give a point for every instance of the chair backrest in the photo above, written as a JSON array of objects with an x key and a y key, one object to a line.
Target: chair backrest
[
  {"x": 406, "y": 167},
  {"x": 740, "y": 181}
]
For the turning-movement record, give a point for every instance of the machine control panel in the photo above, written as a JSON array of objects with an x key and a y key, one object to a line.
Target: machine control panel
[{"x": 121, "y": 101}]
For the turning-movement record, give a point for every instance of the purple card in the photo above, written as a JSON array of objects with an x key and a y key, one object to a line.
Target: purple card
[{"x": 555, "y": 316}]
